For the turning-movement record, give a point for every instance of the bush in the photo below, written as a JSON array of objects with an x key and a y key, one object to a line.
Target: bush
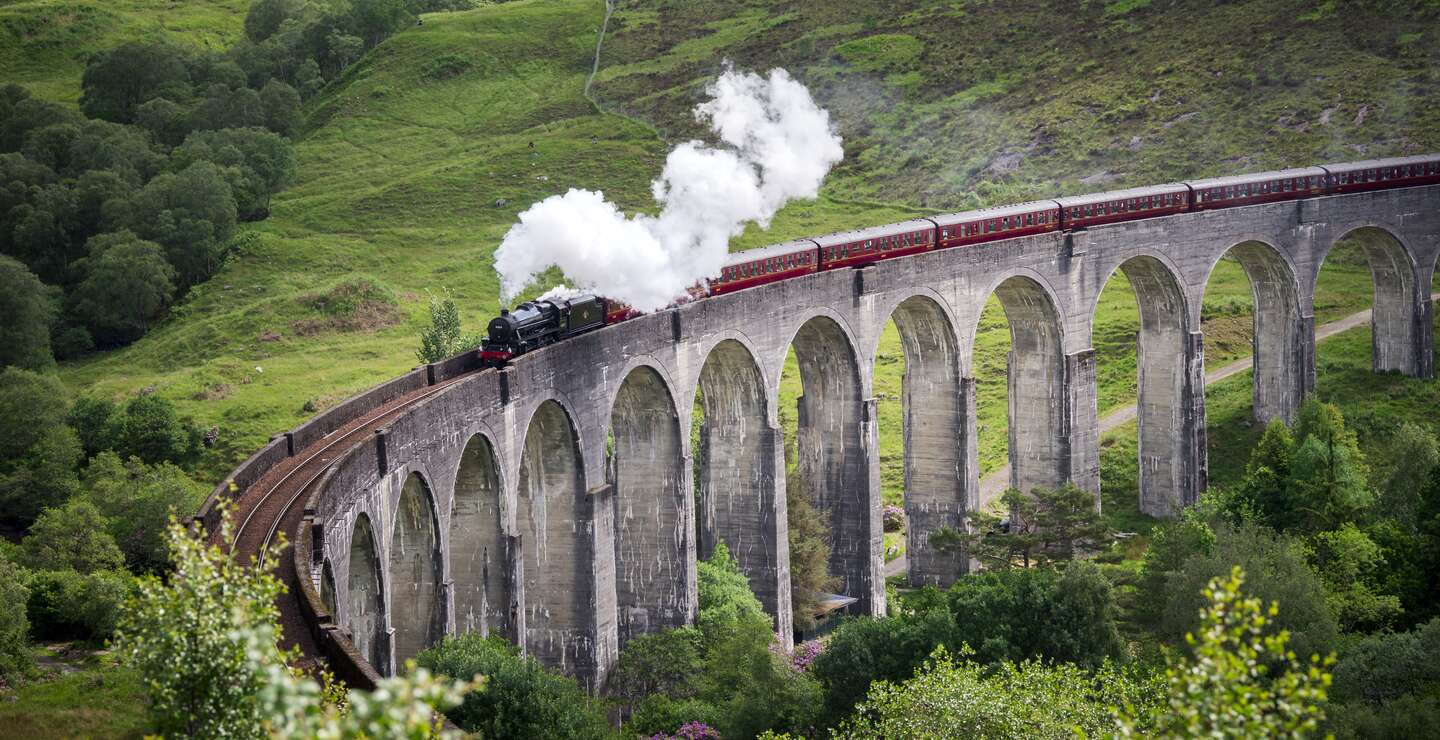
[
  {"x": 72, "y": 537},
  {"x": 150, "y": 429},
  {"x": 1018, "y": 614},
  {"x": 668, "y": 662},
  {"x": 520, "y": 698},
  {"x": 1382, "y": 668},
  {"x": 25, "y": 303},
  {"x": 15, "y": 660},
  {"x": 66, "y": 605},
  {"x": 139, "y": 500},
  {"x": 863, "y": 650},
  {"x": 1276, "y": 571},
  {"x": 963, "y": 698},
  {"x": 659, "y": 714}
]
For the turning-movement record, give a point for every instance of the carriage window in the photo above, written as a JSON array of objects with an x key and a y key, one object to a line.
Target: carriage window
[{"x": 945, "y": 233}]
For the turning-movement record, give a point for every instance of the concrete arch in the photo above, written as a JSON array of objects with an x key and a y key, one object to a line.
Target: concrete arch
[
  {"x": 416, "y": 607},
  {"x": 1039, "y": 447},
  {"x": 1399, "y": 335},
  {"x": 834, "y": 442},
  {"x": 365, "y": 596},
  {"x": 480, "y": 551},
  {"x": 938, "y": 407},
  {"x": 555, "y": 526},
  {"x": 327, "y": 587},
  {"x": 1283, "y": 351},
  {"x": 654, "y": 545},
  {"x": 1170, "y": 410},
  {"x": 740, "y": 472},
  {"x": 1043, "y": 291}
]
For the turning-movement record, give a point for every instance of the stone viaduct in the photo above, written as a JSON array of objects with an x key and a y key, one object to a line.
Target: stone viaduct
[{"x": 553, "y": 502}]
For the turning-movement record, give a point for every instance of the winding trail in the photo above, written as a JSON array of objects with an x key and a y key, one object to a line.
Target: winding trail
[{"x": 995, "y": 483}]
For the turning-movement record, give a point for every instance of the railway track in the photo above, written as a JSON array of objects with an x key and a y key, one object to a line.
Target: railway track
[{"x": 276, "y": 503}]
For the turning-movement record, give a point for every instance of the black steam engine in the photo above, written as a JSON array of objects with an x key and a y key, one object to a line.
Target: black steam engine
[{"x": 534, "y": 324}]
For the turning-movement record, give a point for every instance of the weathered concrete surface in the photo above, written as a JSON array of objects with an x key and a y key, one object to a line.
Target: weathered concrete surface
[{"x": 576, "y": 567}]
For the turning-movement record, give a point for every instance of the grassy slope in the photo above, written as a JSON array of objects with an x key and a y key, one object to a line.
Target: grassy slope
[
  {"x": 44, "y": 44},
  {"x": 404, "y": 165}
]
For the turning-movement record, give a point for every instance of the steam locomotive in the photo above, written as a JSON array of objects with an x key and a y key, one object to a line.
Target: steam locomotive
[{"x": 548, "y": 320}]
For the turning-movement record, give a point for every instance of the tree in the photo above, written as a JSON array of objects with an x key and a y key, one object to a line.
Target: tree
[
  {"x": 1069, "y": 616},
  {"x": 73, "y": 536},
  {"x": 92, "y": 419},
  {"x": 117, "y": 81},
  {"x": 265, "y": 17},
  {"x": 1328, "y": 478},
  {"x": 191, "y": 214},
  {"x": 255, "y": 163},
  {"x": 377, "y": 19},
  {"x": 281, "y": 104},
  {"x": 862, "y": 651},
  {"x": 40, "y": 400},
  {"x": 15, "y": 660},
  {"x": 127, "y": 284},
  {"x": 204, "y": 644},
  {"x": 950, "y": 697},
  {"x": 809, "y": 534},
  {"x": 29, "y": 312},
  {"x": 1381, "y": 668},
  {"x": 167, "y": 121},
  {"x": 1051, "y": 525},
  {"x": 139, "y": 500},
  {"x": 1279, "y": 572},
  {"x": 1349, "y": 563},
  {"x": 668, "y": 662},
  {"x": 443, "y": 337},
  {"x": 151, "y": 430},
  {"x": 521, "y": 699},
  {"x": 1409, "y": 459},
  {"x": 1241, "y": 681},
  {"x": 44, "y": 476}
]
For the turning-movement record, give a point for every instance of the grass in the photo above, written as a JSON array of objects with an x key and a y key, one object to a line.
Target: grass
[
  {"x": 417, "y": 162},
  {"x": 44, "y": 44},
  {"x": 92, "y": 697}
]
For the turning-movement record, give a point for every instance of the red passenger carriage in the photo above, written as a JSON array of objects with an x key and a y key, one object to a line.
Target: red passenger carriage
[
  {"x": 1123, "y": 205},
  {"x": 989, "y": 224},
  {"x": 862, "y": 247}
]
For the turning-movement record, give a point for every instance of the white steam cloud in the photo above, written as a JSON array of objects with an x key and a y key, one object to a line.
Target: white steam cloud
[{"x": 780, "y": 145}]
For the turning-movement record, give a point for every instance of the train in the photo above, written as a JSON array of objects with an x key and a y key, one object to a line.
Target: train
[{"x": 544, "y": 321}]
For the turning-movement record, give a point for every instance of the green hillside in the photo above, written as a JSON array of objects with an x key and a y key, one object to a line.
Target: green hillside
[
  {"x": 44, "y": 44},
  {"x": 417, "y": 161}
]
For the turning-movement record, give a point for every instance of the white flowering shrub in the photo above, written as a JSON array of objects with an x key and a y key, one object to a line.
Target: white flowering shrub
[{"x": 204, "y": 643}]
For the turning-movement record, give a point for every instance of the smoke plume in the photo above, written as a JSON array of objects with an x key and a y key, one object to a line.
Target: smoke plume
[{"x": 778, "y": 146}]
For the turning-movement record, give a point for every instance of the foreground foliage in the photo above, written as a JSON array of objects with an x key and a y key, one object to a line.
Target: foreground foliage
[
  {"x": 1242, "y": 681},
  {"x": 204, "y": 645}
]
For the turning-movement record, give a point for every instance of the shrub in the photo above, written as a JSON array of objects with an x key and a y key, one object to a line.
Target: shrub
[
  {"x": 150, "y": 429},
  {"x": 1381, "y": 668},
  {"x": 668, "y": 662},
  {"x": 1242, "y": 680},
  {"x": 963, "y": 698},
  {"x": 138, "y": 501},
  {"x": 659, "y": 715},
  {"x": 66, "y": 605},
  {"x": 520, "y": 698},
  {"x": 864, "y": 650},
  {"x": 1018, "y": 614},
  {"x": 15, "y": 660},
  {"x": 204, "y": 643},
  {"x": 1276, "y": 570},
  {"x": 25, "y": 304},
  {"x": 72, "y": 537}
]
